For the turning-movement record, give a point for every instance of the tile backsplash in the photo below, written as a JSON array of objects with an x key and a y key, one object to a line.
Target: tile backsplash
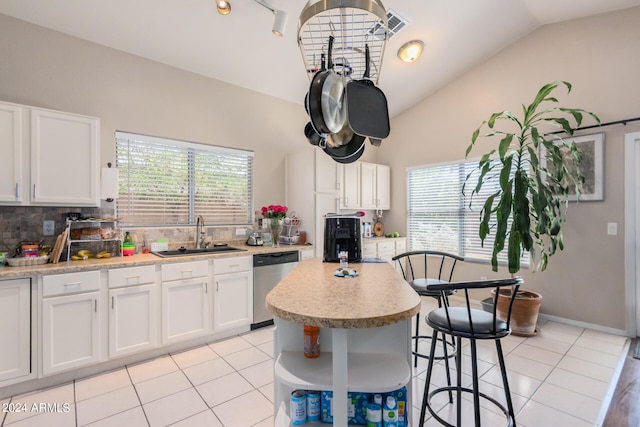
[{"x": 25, "y": 224}]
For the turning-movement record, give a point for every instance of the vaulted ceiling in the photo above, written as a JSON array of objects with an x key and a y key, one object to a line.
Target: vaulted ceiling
[{"x": 239, "y": 48}]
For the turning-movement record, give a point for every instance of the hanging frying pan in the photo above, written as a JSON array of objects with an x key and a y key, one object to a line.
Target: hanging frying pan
[
  {"x": 326, "y": 102},
  {"x": 367, "y": 109},
  {"x": 349, "y": 152}
]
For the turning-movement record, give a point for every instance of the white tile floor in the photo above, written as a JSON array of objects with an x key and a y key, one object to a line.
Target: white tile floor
[{"x": 558, "y": 378}]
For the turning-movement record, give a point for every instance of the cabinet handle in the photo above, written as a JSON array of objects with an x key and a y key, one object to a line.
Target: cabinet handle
[
  {"x": 337, "y": 185},
  {"x": 34, "y": 191},
  {"x": 133, "y": 277},
  {"x": 95, "y": 305},
  {"x": 186, "y": 271},
  {"x": 73, "y": 284},
  {"x": 234, "y": 265},
  {"x": 17, "y": 190},
  {"x": 217, "y": 285},
  {"x": 206, "y": 287},
  {"x": 112, "y": 302}
]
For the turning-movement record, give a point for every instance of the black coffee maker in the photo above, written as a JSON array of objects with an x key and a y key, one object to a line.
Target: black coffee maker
[{"x": 342, "y": 234}]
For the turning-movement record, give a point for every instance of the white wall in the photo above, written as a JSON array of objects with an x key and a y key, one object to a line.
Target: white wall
[
  {"x": 48, "y": 69},
  {"x": 599, "y": 56}
]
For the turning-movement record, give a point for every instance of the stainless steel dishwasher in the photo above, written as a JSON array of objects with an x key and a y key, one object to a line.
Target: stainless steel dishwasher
[{"x": 268, "y": 270}]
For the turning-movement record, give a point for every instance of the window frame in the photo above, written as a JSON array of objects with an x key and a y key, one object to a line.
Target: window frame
[
  {"x": 190, "y": 155},
  {"x": 472, "y": 252}
]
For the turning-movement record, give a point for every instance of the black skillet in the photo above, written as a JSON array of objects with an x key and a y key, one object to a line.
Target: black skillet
[{"x": 367, "y": 109}]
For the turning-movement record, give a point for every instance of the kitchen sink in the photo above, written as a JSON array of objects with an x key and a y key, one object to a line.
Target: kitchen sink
[{"x": 201, "y": 251}]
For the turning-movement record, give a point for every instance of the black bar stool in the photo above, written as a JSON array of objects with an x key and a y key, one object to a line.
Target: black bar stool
[
  {"x": 423, "y": 268},
  {"x": 472, "y": 324}
]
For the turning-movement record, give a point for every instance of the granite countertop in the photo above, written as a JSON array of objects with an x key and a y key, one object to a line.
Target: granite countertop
[
  {"x": 8, "y": 272},
  {"x": 312, "y": 295}
]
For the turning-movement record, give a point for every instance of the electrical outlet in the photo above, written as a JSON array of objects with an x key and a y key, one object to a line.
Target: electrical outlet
[
  {"x": 241, "y": 231},
  {"x": 483, "y": 277},
  {"x": 48, "y": 228},
  {"x": 612, "y": 228}
]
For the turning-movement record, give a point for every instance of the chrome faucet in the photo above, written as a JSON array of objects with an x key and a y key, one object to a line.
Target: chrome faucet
[{"x": 200, "y": 232}]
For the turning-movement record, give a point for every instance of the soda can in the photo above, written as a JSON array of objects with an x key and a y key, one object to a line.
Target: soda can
[
  {"x": 313, "y": 405},
  {"x": 298, "y": 407}
]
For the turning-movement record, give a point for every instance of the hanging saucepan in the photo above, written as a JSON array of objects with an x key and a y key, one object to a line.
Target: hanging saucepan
[
  {"x": 349, "y": 152},
  {"x": 326, "y": 103},
  {"x": 367, "y": 109},
  {"x": 312, "y": 136}
]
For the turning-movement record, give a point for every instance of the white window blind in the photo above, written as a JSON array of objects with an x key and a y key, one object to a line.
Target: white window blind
[
  {"x": 439, "y": 217},
  {"x": 170, "y": 182}
]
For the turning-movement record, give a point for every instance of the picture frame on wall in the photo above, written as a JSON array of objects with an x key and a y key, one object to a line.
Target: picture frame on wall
[{"x": 592, "y": 166}]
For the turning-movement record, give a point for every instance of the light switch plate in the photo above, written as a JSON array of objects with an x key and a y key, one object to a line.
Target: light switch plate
[
  {"x": 612, "y": 228},
  {"x": 48, "y": 228}
]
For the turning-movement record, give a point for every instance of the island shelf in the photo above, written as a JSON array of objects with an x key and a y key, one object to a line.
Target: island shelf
[{"x": 365, "y": 334}]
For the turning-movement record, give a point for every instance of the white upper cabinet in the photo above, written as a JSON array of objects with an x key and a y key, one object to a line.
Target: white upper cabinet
[
  {"x": 375, "y": 186},
  {"x": 49, "y": 158},
  {"x": 327, "y": 173},
  {"x": 64, "y": 159},
  {"x": 11, "y": 179},
  {"x": 350, "y": 186}
]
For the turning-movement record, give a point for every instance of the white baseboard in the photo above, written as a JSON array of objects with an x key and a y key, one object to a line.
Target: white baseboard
[{"x": 593, "y": 326}]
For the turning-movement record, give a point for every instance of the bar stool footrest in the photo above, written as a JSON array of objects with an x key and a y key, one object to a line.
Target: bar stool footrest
[
  {"x": 451, "y": 352},
  {"x": 454, "y": 390}
]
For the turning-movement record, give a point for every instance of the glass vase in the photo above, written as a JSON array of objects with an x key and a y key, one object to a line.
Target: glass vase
[{"x": 275, "y": 226}]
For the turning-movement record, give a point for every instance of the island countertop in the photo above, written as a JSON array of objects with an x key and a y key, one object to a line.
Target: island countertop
[{"x": 311, "y": 294}]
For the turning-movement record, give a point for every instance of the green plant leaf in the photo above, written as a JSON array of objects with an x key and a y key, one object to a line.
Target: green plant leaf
[{"x": 505, "y": 143}]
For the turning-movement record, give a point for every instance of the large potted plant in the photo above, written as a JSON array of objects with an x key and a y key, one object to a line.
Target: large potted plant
[{"x": 536, "y": 171}]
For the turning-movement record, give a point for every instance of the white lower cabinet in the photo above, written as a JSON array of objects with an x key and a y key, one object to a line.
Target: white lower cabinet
[
  {"x": 15, "y": 328},
  {"x": 186, "y": 302},
  {"x": 133, "y": 310},
  {"x": 233, "y": 298},
  {"x": 70, "y": 321}
]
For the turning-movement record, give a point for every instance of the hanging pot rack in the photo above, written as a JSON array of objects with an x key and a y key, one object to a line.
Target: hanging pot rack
[{"x": 354, "y": 24}]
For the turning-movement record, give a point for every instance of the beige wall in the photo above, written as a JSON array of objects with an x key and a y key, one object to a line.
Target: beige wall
[
  {"x": 586, "y": 282},
  {"x": 44, "y": 68},
  {"x": 598, "y": 55}
]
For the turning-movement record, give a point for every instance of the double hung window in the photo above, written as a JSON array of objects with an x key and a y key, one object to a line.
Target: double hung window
[
  {"x": 439, "y": 215},
  {"x": 165, "y": 182}
]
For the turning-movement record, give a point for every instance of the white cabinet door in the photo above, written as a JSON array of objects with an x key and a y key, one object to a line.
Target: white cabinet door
[
  {"x": 70, "y": 332},
  {"x": 327, "y": 177},
  {"x": 133, "y": 319},
  {"x": 15, "y": 328},
  {"x": 185, "y": 309},
  {"x": 233, "y": 306},
  {"x": 383, "y": 187},
  {"x": 375, "y": 186},
  {"x": 64, "y": 159},
  {"x": 368, "y": 185},
  {"x": 350, "y": 184},
  {"x": 11, "y": 140}
]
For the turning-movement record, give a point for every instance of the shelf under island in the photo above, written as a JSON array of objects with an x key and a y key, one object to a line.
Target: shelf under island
[{"x": 365, "y": 333}]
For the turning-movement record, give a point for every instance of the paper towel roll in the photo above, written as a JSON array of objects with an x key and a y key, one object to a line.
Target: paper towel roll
[{"x": 109, "y": 184}]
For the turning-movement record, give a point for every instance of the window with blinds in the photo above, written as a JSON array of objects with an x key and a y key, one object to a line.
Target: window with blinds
[
  {"x": 168, "y": 182},
  {"x": 439, "y": 216}
]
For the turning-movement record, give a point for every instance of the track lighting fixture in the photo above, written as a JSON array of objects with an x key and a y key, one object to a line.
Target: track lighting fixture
[{"x": 280, "y": 21}]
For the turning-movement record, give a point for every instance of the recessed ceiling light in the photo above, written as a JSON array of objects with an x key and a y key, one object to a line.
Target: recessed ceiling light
[
  {"x": 224, "y": 7},
  {"x": 411, "y": 50}
]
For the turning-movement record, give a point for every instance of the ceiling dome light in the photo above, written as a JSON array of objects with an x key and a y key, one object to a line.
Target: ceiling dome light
[
  {"x": 411, "y": 50},
  {"x": 224, "y": 7}
]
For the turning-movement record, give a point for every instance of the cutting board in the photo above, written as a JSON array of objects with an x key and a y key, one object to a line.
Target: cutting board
[{"x": 59, "y": 246}]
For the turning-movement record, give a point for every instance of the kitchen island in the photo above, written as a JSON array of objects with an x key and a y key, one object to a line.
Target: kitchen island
[{"x": 365, "y": 333}]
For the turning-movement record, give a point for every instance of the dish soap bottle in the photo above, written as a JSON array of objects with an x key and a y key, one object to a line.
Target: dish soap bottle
[{"x": 128, "y": 247}]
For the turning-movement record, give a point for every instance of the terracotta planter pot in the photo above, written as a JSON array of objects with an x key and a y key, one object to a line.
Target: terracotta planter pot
[{"x": 524, "y": 315}]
